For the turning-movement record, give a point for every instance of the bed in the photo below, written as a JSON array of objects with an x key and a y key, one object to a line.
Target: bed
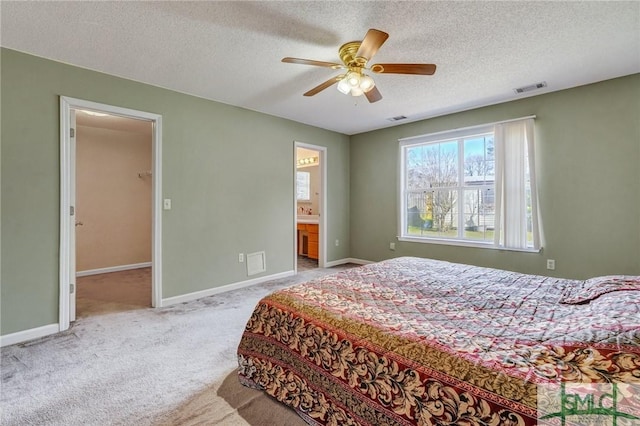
[{"x": 420, "y": 341}]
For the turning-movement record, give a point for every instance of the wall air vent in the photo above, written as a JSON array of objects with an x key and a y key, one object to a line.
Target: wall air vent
[
  {"x": 256, "y": 263},
  {"x": 530, "y": 87},
  {"x": 398, "y": 118}
]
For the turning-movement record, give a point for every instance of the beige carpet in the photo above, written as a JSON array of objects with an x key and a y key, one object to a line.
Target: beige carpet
[
  {"x": 223, "y": 403},
  {"x": 230, "y": 403}
]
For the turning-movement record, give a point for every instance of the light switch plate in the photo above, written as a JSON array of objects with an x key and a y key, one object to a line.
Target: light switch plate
[{"x": 166, "y": 204}]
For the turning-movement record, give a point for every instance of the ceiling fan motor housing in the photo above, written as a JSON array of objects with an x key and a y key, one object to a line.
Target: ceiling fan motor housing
[{"x": 348, "y": 53}]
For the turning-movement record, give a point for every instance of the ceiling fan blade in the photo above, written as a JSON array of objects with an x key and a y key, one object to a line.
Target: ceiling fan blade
[
  {"x": 371, "y": 43},
  {"x": 373, "y": 95},
  {"x": 319, "y": 88},
  {"x": 422, "y": 69},
  {"x": 312, "y": 62}
]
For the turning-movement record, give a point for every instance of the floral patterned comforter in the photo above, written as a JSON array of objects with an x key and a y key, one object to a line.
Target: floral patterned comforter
[{"x": 420, "y": 341}]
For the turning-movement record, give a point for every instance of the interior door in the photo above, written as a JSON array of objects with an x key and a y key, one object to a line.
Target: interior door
[{"x": 73, "y": 217}]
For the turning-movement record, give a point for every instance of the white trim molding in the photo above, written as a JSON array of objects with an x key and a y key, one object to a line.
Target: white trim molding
[
  {"x": 30, "y": 334},
  {"x": 110, "y": 269},
  {"x": 65, "y": 203},
  {"x": 216, "y": 290},
  {"x": 347, "y": 260}
]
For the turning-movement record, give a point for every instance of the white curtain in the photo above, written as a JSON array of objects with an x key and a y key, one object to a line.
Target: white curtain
[{"x": 514, "y": 145}]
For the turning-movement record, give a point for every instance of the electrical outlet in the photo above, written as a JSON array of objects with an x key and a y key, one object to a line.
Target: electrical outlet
[
  {"x": 337, "y": 243},
  {"x": 240, "y": 257},
  {"x": 392, "y": 246},
  {"x": 551, "y": 264}
]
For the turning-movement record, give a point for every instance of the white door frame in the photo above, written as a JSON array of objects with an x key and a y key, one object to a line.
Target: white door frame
[
  {"x": 322, "y": 219},
  {"x": 67, "y": 220},
  {"x": 72, "y": 218}
]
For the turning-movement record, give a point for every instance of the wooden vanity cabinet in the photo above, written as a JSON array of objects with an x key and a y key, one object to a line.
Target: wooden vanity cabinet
[
  {"x": 312, "y": 229},
  {"x": 308, "y": 240}
]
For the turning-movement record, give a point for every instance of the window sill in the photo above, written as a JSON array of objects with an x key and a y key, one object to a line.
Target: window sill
[{"x": 462, "y": 243}]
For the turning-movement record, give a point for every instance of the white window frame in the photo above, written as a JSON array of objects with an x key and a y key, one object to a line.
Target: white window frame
[
  {"x": 439, "y": 137},
  {"x": 306, "y": 186}
]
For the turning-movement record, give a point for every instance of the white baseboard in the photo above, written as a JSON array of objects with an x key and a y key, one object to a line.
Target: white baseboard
[
  {"x": 113, "y": 269},
  {"x": 211, "y": 291},
  {"x": 32, "y": 333},
  {"x": 346, "y": 260}
]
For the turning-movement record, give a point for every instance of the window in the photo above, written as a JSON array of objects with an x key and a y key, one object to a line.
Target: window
[
  {"x": 470, "y": 186},
  {"x": 303, "y": 186}
]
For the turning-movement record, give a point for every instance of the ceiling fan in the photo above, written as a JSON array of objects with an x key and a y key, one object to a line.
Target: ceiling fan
[{"x": 354, "y": 56}]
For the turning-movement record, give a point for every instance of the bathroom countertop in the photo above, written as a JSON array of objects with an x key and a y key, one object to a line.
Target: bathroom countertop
[{"x": 311, "y": 218}]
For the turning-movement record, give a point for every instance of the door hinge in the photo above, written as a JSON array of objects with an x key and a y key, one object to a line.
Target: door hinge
[
  {"x": 72, "y": 288},
  {"x": 72, "y": 132},
  {"x": 72, "y": 210}
]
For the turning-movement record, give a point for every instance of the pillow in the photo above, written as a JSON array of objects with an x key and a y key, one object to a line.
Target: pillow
[{"x": 588, "y": 290}]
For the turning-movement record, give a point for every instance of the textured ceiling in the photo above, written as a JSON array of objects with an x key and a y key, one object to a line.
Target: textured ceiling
[{"x": 230, "y": 51}]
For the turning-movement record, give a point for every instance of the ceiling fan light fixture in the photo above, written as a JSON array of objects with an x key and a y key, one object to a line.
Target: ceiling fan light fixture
[
  {"x": 343, "y": 86},
  {"x": 356, "y": 91},
  {"x": 353, "y": 78},
  {"x": 366, "y": 83}
]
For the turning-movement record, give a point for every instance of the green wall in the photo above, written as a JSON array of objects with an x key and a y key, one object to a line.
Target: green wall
[
  {"x": 588, "y": 161},
  {"x": 228, "y": 171}
]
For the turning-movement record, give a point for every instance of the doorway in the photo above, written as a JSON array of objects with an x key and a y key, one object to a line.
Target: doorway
[
  {"x": 94, "y": 170},
  {"x": 113, "y": 213},
  {"x": 310, "y": 217}
]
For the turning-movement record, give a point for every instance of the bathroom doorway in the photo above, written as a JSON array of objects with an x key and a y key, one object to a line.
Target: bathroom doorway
[{"x": 310, "y": 217}]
